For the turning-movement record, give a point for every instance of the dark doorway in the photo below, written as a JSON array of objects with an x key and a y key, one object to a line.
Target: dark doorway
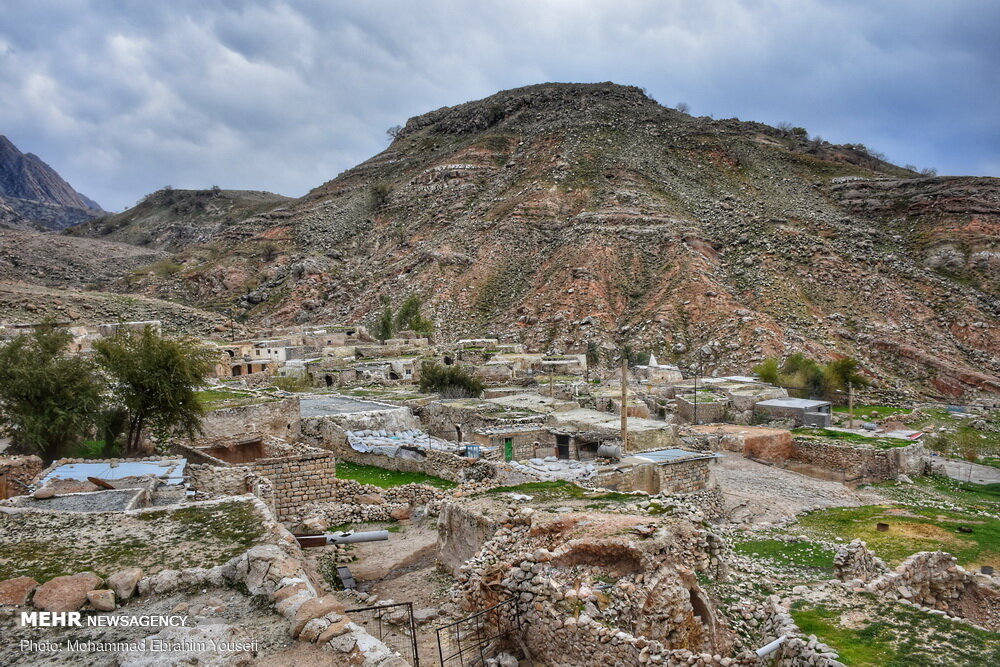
[
  {"x": 329, "y": 380},
  {"x": 562, "y": 446}
]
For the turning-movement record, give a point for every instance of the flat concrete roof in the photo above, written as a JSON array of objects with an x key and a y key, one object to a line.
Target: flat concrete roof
[
  {"x": 333, "y": 404},
  {"x": 793, "y": 403},
  {"x": 666, "y": 456}
]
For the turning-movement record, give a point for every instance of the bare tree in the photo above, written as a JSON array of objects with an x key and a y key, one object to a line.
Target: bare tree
[
  {"x": 683, "y": 107},
  {"x": 395, "y": 131}
]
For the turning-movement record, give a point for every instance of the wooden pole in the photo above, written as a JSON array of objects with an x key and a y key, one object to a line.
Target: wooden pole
[
  {"x": 850, "y": 405},
  {"x": 624, "y": 409}
]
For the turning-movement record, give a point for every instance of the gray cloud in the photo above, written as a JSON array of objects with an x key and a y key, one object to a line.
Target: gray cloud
[{"x": 125, "y": 97}]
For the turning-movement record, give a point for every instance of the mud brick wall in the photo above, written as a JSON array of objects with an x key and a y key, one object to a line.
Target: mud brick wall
[
  {"x": 300, "y": 479},
  {"x": 861, "y": 464}
]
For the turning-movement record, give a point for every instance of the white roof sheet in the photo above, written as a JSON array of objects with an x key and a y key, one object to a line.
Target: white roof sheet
[{"x": 793, "y": 403}]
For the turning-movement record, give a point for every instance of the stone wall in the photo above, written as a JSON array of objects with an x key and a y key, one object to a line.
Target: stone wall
[
  {"x": 299, "y": 479},
  {"x": 279, "y": 418},
  {"x": 686, "y": 476},
  {"x": 855, "y": 561},
  {"x": 862, "y": 465},
  {"x": 935, "y": 580},
  {"x": 461, "y": 534},
  {"x": 16, "y": 471},
  {"x": 654, "y": 612},
  {"x": 326, "y": 430},
  {"x": 229, "y": 481}
]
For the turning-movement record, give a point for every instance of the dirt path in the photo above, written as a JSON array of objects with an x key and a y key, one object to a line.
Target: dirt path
[
  {"x": 755, "y": 492},
  {"x": 404, "y": 569}
]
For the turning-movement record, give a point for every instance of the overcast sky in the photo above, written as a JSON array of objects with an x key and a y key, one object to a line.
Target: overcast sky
[{"x": 122, "y": 98}]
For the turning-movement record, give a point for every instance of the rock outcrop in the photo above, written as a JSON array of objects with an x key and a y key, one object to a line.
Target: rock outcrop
[{"x": 32, "y": 192}]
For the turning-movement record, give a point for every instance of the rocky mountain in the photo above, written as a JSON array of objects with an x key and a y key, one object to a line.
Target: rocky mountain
[
  {"x": 172, "y": 219},
  {"x": 559, "y": 213},
  {"x": 32, "y": 194}
]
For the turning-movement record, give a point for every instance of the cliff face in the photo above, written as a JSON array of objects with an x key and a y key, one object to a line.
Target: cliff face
[
  {"x": 32, "y": 192},
  {"x": 560, "y": 213}
]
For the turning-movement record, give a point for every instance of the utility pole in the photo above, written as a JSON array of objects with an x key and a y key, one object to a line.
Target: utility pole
[
  {"x": 850, "y": 405},
  {"x": 624, "y": 409}
]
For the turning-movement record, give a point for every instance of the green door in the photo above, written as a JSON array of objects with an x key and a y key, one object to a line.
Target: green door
[{"x": 508, "y": 449}]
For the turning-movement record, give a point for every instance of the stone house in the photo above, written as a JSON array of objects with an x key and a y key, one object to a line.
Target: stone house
[{"x": 804, "y": 411}]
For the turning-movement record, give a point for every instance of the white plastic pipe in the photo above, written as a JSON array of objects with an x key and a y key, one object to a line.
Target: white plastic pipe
[{"x": 772, "y": 647}]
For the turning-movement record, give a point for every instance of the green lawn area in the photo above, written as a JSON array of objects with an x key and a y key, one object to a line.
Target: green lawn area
[
  {"x": 809, "y": 557},
  {"x": 387, "y": 479},
  {"x": 886, "y": 634},
  {"x": 910, "y": 530}
]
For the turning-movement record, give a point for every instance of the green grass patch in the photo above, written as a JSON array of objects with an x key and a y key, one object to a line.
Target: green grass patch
[
  {"x": 910, "y": 530},
  {"x": 386, "y": 479},
  {"x": 892, "y": 635},
  {"x": 810, "y": 556}
]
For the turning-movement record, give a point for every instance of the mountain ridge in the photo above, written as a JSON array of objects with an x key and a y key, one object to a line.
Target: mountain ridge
[
  {"x": 559, "y": 213},
  {"x": 32, "y": 194}
]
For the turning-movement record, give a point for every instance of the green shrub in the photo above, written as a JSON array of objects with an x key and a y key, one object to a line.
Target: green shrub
[{"x": 449, "y": 381}]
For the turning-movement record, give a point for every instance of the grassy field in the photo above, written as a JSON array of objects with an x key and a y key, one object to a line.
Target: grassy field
[
  {"x": 808, "y": 559},
  {"x": 387, "y": 479},
  {"x": 910, "y": 531},
  {"x": 216, "y": 399},
  {"x": 884, "y": 634}
]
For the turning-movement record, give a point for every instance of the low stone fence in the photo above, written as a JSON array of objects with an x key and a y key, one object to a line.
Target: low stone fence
[{"x": 862, "y": 465}]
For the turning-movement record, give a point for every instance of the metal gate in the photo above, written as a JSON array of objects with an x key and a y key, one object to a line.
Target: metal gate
[
  {"x": 471, "y": 641},
  {"x": 393, "y": 625}
]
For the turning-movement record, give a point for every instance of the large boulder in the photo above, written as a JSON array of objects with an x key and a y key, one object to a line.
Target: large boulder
[
  {"x": 314, "y": 608},
  {"x": 124, "y": 582},
  {"x": 102, "y": 600},
  {"x": 16, "y": 591},
  {"x": 65, "y": 593}
]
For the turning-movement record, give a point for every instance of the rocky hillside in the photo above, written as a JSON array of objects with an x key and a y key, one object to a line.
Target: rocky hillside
[
  {"x": 32, "y": 194},
  {"x": 559, "y": 213},
  {"x": 63, "y": 261},
  {"x": 172, "y": 219}
]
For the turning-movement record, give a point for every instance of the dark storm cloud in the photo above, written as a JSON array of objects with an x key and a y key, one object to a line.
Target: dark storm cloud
[{"x": 125, "y": 97}]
